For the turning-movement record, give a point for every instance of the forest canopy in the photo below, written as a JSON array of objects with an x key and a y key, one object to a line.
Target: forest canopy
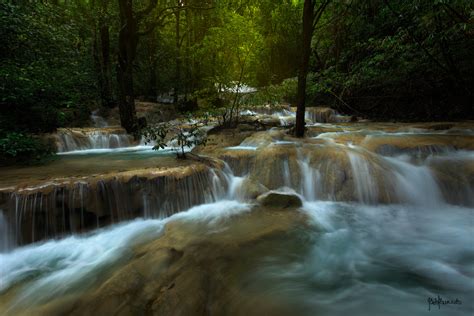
[{"x": 384, "y": 60}]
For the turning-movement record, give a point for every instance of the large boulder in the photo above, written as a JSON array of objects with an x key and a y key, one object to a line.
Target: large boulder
[{"x": 280, "y": 200}]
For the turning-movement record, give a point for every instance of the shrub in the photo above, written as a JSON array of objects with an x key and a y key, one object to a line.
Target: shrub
[
  {"x": 188, "y": 136},
  {"x": 16, "y": 147}
]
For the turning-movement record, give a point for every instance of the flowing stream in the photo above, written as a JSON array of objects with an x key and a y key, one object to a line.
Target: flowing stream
[{"x": 383, "y": 231}]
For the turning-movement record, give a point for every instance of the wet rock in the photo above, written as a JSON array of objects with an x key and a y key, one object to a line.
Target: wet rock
[
  {"x": 262, "y": 139},
  {"x": 455, "y": 178},
  {"x": 417, "y": 144},
  {"x": 251, "y": 189},
  {"x": 218, "y": 140},
  {"x": 246, "y": 127},
  {"x": 320, "y": 114},
  {"x": 69, "y": 139},
  {"x": 280, "y": 200},
  {"x": 186, "y": 271},
  {"x": 241, "y": 161},
  {"x": 270, "y": 121},
  {"x": 277, "y": 166},
  {"x": 72, "y": 205}
]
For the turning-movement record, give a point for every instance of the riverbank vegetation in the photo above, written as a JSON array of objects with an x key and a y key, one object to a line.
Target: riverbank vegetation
[{"x": 384, "y": 60}]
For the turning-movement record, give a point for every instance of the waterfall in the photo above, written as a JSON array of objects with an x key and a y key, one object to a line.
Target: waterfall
[
  {"x": 7, "y": 241},
  {"x": 72, "y": 140},
  {"x": 59, "y": 209},
  {"x": 310, "y": 180},
  {"x": 415, "y": 184},
  {"x": 98, "y": 120},
  {"x": 317, "y": 171},
  {"x": 287, "y": 116},
  {"x": 364, "y": 180}
]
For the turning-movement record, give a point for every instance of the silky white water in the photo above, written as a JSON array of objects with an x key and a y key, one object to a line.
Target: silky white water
[
  {"x": 384, "y": 260},
  {"x": 351, "y": 258},
  {"x": 58, "y": 267}
]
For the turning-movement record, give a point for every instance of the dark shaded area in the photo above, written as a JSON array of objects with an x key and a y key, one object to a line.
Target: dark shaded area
[{"x": 395, "y": 60}]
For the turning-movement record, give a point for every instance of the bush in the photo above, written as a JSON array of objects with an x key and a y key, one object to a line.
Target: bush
[
  {"x": 45, "y": 69},
  {"x": 22, "y": 148},
  {"x": 189, "y": 136},
  {"x": 273, "y": 94}
]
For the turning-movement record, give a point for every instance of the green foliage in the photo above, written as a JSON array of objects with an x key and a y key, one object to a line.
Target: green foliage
[
  {"x": 156, "y": 134},
  {"x": 22, "y": 148},
  {"x": 182, "y": 137},
  {"x": 280, "y": 24},
  {"x": 394, "y": 59},
  {"x": 383, "y": 59},
  {"x": 189, "y": 137},
  {"x": 275, "y": 94},
  {"x": 44, "y": 68},
  {"x": 230, "y": 53}
]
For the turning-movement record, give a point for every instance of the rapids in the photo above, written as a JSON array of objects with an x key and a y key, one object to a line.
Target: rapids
[{"x": 387, "y": 222}]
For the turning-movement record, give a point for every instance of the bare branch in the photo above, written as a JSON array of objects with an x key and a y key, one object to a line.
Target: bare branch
[{"x": 319, "y": 12}]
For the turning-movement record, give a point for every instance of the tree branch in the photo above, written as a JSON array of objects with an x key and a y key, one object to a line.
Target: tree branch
[{"x": 319, "y": 12}]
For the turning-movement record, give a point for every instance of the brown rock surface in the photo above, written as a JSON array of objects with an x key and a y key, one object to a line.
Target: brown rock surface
[
  {"x": 187, "y": 271},
  {"x": 280, "y": 200}
]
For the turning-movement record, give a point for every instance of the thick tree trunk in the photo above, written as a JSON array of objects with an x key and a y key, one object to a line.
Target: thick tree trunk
[
  {"x": 189, "y": 74},
  {"x": 101, "y": 54},
  {"x": 308, "y": 17},
  {"x": 106, "y": 86},
  {"x": 178, "y": 60},
  {"x": 150, "y": 47},
  {"x": 128, "y": 41}
]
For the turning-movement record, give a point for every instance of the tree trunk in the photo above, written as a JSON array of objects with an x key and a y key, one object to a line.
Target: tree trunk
[
  {"x": 308, "y": 17},
  {"x": 101, "y": 53},
  {"x": 152, "y": 80},
  {"x": 189, "y": 74},
  {"x": 178, "y": 60},
  {"x": 128, "y": 41},
  {"x": 106, "y": 86}
]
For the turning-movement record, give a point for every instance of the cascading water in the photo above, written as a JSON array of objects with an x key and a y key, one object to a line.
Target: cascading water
[
  {"x": 37, "y": 213},
  {"x": 7, "y": 241},
  {"x": 311, "y": 180},
  {"x": 73, "y": 140},
  {"x": 101, "y": 136},
  {"x": 382, "y": 233},
  {"x": 98, "y": 120},
  {"x": 366, "y": 187},
  {"x": 287, "y": 116}
]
